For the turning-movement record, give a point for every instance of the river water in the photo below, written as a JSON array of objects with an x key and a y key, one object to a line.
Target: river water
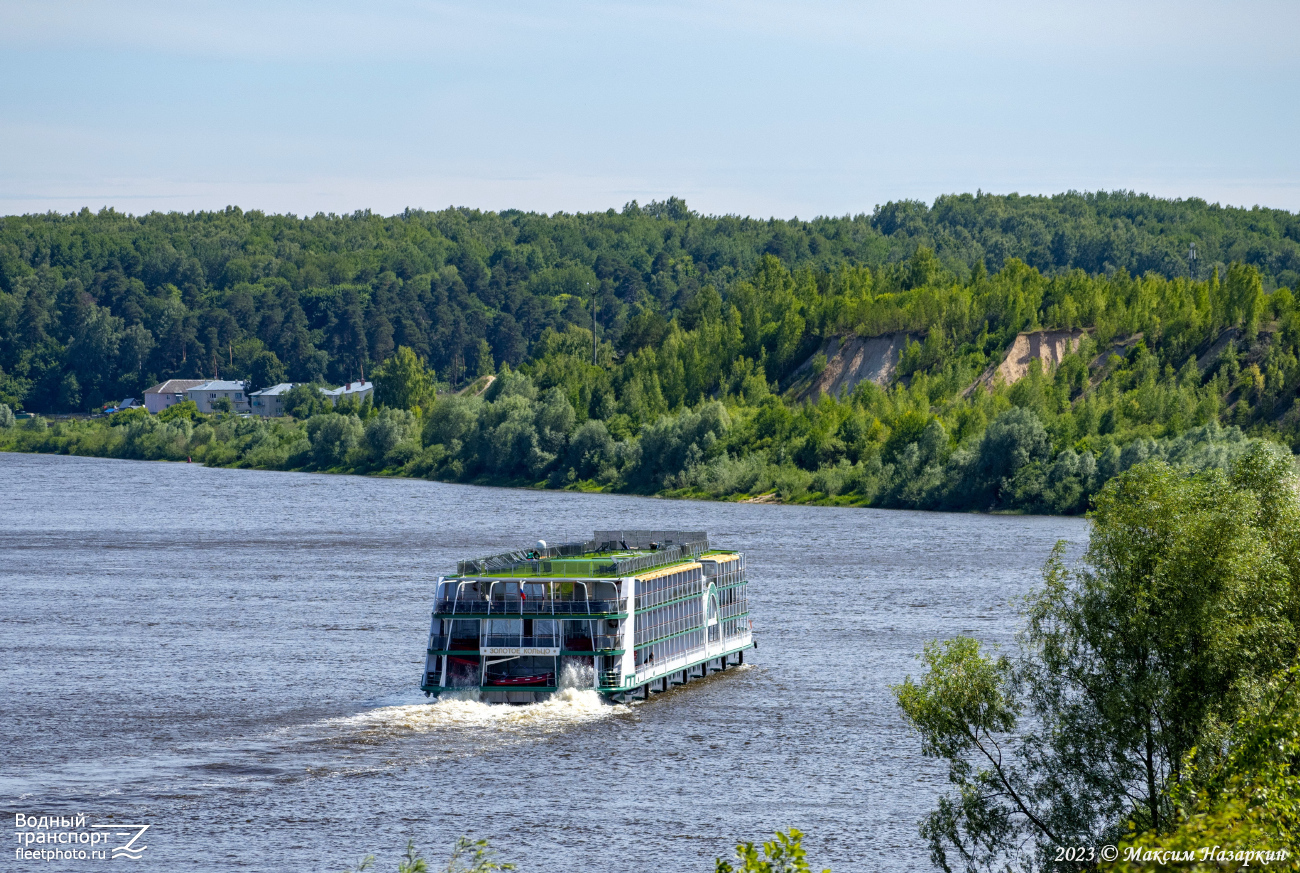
[{"x": 232, "y": 657}]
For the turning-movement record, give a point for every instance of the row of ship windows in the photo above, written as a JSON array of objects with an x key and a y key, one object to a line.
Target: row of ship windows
[
  {"x": 735, "y": 627},
  {"x": 684, "y": 583},
  {"x": 728, "y": 596},
  {"x": 670, "y": 648},
  {"x": 668, "y": 620},
  {"x": 734, "y": 607},
  {"x": 727, "y": 577},
  {"x": 656, "y": 591}
]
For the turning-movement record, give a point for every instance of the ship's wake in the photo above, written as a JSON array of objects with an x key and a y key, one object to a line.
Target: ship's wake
[{"x": 575, "y": 702}]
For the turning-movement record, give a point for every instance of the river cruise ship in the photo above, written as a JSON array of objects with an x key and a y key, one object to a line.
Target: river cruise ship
[{"x": 627, "y": 613}]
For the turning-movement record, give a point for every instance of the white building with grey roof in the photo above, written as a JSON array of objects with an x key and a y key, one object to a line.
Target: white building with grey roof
[
  {"x": 269, "y": 402},
  {"x": 359, "y": 390},
  {"x": 209, "y": 392}
]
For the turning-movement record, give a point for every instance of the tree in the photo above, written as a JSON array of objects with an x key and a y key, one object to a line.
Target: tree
[
  {"x": 782, "y": 854},
  {"x": 403, "y": 381},
  {"x": 223, "y": 404},
  {"x": 1129, "y": 667},
  {"x": 6, "y": 415},
  {"x": 266, "y": 371},
  {"x": 591, "y": 449},
  {"x": 483, "y": 365},
  {"x": 467, "y": 856},
  {"x": 387, "y": 431},
  {"x": 1251, "y": 801},
  {"x": 332, "y": 437},
  {"x": 183, "y": 411},
  {"x": 304, "y": 401}
]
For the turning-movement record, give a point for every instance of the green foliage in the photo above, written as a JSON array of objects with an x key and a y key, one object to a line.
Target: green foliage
[
  {"x": 782, "y": 854},
  {"x": 6, "y": 415},
  {"x": 1249, "y": 802},
  {"x": 266, "y": 371},
  {"x": 403, "y": 381},
  {"x": 332, "y": 438},
  {"x": 304, "y": 401},
  {"x": 467, "y": 856},
  {"x": 94, "y": 306},
  {"x": 223, "y": 404},
  {"x": 474, "y": 856},
  {"x": 392, "y": 437},
  {"x": 186, "y": 409},
  {"x": 1130, "y": 670},
  {"x": 699, "y": 340},
  {"x": 128, "y": 416}
]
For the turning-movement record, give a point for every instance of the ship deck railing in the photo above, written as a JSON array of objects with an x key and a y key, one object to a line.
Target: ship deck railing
[
  {"x": 606, "y": 547},
  {"x": 452, "y": 643},
  {"x": 614, "y": 565},
  {"x": 529, "y": 607},
  {"x": 519, "y": 641}
]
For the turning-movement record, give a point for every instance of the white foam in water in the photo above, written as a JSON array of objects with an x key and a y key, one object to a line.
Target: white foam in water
[{"x": 574, "y": 702}]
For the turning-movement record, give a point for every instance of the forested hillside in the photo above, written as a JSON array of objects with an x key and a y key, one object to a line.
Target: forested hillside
[
  {"x": 94, "y": 307},
  {"x": 710, "y": 332}
]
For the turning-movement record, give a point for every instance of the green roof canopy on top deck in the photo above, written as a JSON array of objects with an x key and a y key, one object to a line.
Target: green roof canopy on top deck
[{"x": 608, "y": 554}]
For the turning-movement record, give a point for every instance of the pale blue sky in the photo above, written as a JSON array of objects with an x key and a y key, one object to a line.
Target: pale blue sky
[{"x": 753, "y": 108}]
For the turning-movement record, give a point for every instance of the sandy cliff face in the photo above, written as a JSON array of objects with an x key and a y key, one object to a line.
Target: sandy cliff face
[
  {"x": 854, "y": 359},
  {"x": 1048, "y": 346},
  {"x": 850, "y": 360}
]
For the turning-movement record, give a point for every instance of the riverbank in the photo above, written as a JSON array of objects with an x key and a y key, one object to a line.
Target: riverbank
[{"x": 1009, "y": 468}]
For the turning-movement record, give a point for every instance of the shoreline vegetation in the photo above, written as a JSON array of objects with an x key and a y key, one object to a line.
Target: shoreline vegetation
[
  {"x": 984, "y": 353},
  {"x": 1147, "y": 715},
  {"x": 386, "y": 442}
]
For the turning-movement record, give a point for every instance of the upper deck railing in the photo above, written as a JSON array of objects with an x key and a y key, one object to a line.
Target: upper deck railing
[
  {"x": 567, "y": 559},
  {"x": 530, "y": 607},
  {"x": 453, "y": 643}
]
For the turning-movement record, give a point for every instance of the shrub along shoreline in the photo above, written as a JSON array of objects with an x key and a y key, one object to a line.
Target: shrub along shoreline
[{"x": 514, "y": 435}]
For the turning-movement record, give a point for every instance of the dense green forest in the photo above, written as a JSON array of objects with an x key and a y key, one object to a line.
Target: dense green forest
[
  {"x": 709, "y": 332},
  {"x": 95, "y": 307}
]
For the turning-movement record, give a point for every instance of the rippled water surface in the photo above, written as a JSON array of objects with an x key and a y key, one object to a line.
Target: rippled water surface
[{"x": 231, "y": 656}]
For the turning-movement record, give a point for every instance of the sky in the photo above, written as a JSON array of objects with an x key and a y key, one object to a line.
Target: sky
[{"x": 757, "y": 108}]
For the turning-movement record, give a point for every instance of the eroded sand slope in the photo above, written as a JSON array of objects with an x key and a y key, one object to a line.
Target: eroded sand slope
[
  {"x": 1048, "y": 346},
  {"x": 850, "y": 360}
]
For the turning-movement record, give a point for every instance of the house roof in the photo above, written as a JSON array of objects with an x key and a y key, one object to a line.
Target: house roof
[
  {"x": 350, "y": 388},
  {"x": 175, "y": 386},
  {"x": 217, "y": 385},
  {"x": 274, "y": 390}
]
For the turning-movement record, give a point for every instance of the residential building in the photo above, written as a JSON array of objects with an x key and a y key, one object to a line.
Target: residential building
[
  {"x": 269, "y": 402},
  {"x": 359, "y": 390},
  {"x": 207, "y": 393},
  {"x": 160, "y": 396}
]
